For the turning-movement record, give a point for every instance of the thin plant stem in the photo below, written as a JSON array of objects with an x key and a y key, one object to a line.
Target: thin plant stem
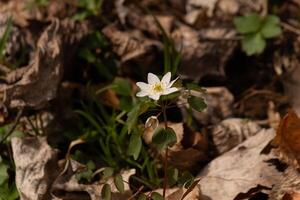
[
  {"x": 166, "y": 154},
  {"x": 13, "y": 127}
]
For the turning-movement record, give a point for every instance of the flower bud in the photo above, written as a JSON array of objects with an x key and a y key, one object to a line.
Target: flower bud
[{"x": 152, "y": 122}]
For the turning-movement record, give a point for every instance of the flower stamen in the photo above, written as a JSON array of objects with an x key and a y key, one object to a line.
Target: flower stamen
[{"x": 158, "y": 87}]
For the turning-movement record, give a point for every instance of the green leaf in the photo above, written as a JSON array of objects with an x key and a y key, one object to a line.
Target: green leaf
[
  {"x": 186, "y": 179},
  {"x": 250, "y": 23},
  {"x": 253, "y": 44},
  {"x": 142, "y": 197},
  {"x": 135, "y": 146},
  {"x": 271, "y": 27},
  {"x": 137, "y": 110},
  {"x": 197, "y": 103},
  {"x": 122, "y": 87},
  {"x": 194, "y": 86},
  {"x": 173, "y": 95},
  {"x": 132, "y": 117},
  {"x": 87, "y": 55},
  {"x": 88, "y": 173},
  {"x": 118, "y": 180},
  {"x": 3, "y": 172},
  {"x": 106, "y": 192},
  {"x": 107, "y": 172},
  {"x": 172, "y": 176},
  {"x": 8, "y": 193},
  {"x": 156, "y": 196},
  {"x": 126, "y": 103},
  {"x": 163, "y": 138}
]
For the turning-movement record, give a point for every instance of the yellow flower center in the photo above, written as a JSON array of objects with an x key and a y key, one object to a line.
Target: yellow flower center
[{"x": 157, "y": 87}]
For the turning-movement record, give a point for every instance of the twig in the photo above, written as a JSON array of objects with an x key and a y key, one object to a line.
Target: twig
[
  {"x": 136, "y": 193},
  {"x": 290, "y": 28},
  {"x": 13, "y": 127}
]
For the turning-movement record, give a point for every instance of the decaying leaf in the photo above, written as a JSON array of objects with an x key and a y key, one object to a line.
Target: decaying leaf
[
  {"x": 288, "y": 138},
  {"x": 231, "y": 132},
  {"x": 199, "y": 55},
  {"x": 36, "y": 84},
  {"x": 240, "y": 169},
  {"x": 288, "y": 187},
  {"x": 128, "y": 45},
  {"x": 36, "y": 167}
]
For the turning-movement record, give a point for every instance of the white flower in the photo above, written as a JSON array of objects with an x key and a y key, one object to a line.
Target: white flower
[{"x": 155, "y": 87}]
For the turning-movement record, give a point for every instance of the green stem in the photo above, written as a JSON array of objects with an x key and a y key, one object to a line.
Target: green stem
[{"x": 166, "y": 154}]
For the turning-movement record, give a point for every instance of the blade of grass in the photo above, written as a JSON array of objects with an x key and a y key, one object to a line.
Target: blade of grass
[{"x": 5, "y": 37}]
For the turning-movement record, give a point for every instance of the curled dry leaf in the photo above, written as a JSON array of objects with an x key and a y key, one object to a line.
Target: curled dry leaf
[
  {"x": 206, "y": 56},
  {"x": 36, "y": 167},
  {"x": 17, "y": 11},
  {"x": 240, "y": 169},
  {"x": 128, "y": 45},
  {"x": 231, "y": 132},
  {"x": 36, "y": 84},
  {"x": 288, "y": 138}
]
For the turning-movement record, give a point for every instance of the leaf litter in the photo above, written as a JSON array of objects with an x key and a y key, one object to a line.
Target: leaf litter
[{"x": 235, "y": 157}]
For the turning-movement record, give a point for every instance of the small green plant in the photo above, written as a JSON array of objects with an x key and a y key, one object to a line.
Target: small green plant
[
  {"x": 162, "y": 93},
  {"x": 108, "y": 131},
  {"x": 255, "y": 30}
]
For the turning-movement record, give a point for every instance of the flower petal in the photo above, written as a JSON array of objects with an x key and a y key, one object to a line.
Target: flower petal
[
  {"x": 152, "y": 79},
  {"x": 154, "y": 96},
  {"x": 167, "y": 78},
  {"x": 172, "y": 82},
  {"x": 141, "y": 94},
  {"x": 170, "y": 90},
  {"x": 143, "y": 86}
]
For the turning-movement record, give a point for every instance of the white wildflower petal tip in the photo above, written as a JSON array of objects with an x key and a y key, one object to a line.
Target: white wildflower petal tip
[
  {"x": 170, "y": 90},
  {"x": 167, "y": 78},
  {"x": 143, "y": 86},
  {"x": 141, "y": 94},
  {"x": 152, "y": 79}
]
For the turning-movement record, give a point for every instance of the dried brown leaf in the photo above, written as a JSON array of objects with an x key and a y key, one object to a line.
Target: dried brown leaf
[
  {"x": 240, "y": 169},
  {"x": 288, "y": 138},
  {"x": 36, "y": 167},
  {"x": 36, "y": 84}
]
